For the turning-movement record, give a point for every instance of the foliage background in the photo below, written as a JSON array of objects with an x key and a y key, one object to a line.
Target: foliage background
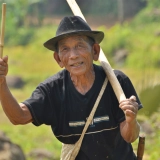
[{"x": 30, "y": 23}]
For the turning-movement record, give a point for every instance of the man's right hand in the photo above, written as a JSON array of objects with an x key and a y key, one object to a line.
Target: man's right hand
[{"x": 3, "y": 68}]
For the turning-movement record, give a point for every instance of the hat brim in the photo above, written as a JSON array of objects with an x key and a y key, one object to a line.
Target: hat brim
[{"x": 96, "y": 35}]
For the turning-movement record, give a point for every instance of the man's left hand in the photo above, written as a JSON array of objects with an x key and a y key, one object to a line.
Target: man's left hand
[{"x": 130, "y": 108}]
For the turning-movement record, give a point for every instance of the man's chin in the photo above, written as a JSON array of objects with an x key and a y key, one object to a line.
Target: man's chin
[{"x": 78, "y": 72}]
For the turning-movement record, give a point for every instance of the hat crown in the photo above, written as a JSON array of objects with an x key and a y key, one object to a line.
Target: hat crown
[{"x": 72, "y": 24}]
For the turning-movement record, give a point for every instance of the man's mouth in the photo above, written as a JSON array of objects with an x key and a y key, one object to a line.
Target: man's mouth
[{"x": 77, "y": 64}]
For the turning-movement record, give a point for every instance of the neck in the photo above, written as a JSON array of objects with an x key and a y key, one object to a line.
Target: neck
[{"x": 83, "y": 83}]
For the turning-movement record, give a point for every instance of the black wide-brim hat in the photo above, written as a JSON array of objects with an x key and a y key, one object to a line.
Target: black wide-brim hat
[{"x": 73, "y": 25}]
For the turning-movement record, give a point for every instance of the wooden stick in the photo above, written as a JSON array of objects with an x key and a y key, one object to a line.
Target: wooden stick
[
  {"x": 2, "y": 29},
  {"x": 141, "y": 147},
  {"x": 141, "y": 144},
  {"x": 102, "y": 58}
]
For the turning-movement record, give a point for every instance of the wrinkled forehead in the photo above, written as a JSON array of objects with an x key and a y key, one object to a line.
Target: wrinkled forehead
[{"x": 76, "y": 38}]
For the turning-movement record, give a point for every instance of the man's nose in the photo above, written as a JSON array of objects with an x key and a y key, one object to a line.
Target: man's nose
[{"x": 73, "y": 53}]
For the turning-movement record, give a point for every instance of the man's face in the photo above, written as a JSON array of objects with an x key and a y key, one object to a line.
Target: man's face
[{"x": 76, "y": 54}]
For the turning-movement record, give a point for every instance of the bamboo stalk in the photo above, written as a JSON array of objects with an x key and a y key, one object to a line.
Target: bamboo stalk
[
  {"x": 2, "y": 29},
  {"x": 102, "y": 58}
]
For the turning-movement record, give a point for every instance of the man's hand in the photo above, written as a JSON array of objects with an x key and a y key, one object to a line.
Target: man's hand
[
  {"x": 130, "y": 108},
  {"x": 3, "y": 68},
  {"x": 130, "y": 127}
]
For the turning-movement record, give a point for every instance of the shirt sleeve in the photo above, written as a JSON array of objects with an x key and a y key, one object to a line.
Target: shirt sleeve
[{"x": 40, "y": 105}]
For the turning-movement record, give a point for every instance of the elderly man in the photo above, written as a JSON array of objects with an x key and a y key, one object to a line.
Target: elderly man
[{"x": 65, "y": 100}]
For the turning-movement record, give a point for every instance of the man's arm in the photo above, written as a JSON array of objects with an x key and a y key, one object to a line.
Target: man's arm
[
  {"x": 129, "y": 128},
  {"x": 17, "y": 113}
]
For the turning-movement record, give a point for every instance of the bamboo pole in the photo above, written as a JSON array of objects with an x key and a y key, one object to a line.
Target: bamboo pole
[
  {"x": 2, "y": 29},
  {"x": 102, "y": 58}
]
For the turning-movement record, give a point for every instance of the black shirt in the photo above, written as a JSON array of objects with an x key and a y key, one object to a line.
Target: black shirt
[{"x": 56, "y": 102}]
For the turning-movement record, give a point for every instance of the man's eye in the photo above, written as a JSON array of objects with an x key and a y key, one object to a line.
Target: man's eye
[
  {"x": 80, "y": 46},
  {"x": 64, "y": 49}
]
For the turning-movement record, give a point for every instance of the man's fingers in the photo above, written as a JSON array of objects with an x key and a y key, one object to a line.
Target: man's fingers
[
  {"x": 130, "y": 116},
  {"x": 3, "y": 66},
  {"x": 5, "y": 59},
  {"x": 130, "y": 113},
  {"x": 129, "y": 107},
  {"x": 129, "y": 104},
  {"x": 133, "y": 98}
]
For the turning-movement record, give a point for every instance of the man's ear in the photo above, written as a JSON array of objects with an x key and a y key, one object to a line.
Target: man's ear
[
  {"x": 56, "y": 57},
  {"x": 96, "y": 51}
]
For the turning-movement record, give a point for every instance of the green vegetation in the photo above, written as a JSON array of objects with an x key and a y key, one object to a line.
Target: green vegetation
[{"x": 30, "y": 60}]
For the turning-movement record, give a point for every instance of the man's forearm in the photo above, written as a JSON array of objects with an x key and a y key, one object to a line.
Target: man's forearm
[
  {"x": 130, "y": 131},
  {"x": 9, "y": 104}
]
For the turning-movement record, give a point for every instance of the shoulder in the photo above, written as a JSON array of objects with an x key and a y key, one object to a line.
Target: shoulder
[
  {"x": 123, "y": 79},
  {"x": 59, "y": 76},
  {"x": 99, "y": 70},
  {"x": 119, "y": 74},
  {"x": 56, "y": 80}
]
